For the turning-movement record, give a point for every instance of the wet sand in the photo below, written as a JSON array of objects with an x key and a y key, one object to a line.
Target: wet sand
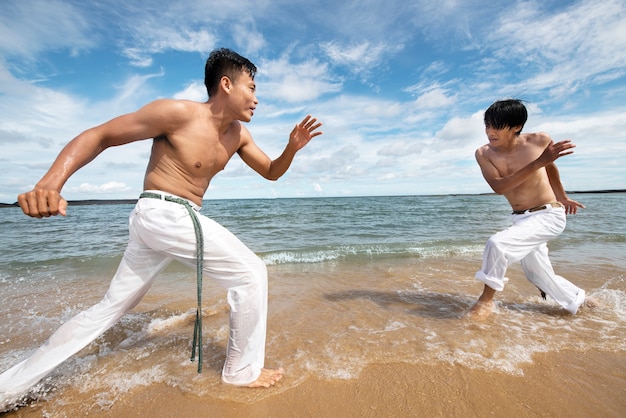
[
  {"x": 384, "y": 339},
  {"x": 566, "y": 384}
]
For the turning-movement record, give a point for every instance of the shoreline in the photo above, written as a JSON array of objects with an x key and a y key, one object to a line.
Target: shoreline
[
  {"x": 133, "y": 201},
  {"x": 569, "y": 383}
]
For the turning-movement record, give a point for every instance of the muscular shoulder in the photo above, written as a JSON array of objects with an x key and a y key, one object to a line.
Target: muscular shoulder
[
  {"x": 167, "y": 116},
  {"x": 539, "y": 139},
  {"x": 170, "y": 108},
  {"x": 482, "y": 152}
]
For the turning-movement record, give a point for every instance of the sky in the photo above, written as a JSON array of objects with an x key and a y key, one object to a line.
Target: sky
[{"x": 400, "y": 87}]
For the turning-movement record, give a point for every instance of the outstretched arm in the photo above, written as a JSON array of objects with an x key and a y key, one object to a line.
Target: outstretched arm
[
  {"x": 301, "y": 135},
  {"x": 45, "y": 198},
  {"x": 571, "y": 206}
]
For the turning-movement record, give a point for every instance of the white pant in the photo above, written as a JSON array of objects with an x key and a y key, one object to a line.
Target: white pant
[
  {"x": 160, "y": 232},
  {"x": 525, "y": 241}
]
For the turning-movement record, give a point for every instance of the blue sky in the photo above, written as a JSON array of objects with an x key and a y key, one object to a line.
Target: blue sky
[{"x": 401, "y": 87}]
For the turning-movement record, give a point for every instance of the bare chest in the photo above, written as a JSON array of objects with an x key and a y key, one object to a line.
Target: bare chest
[
  {"x": 197, "y": 155},
  {"x": 508, "y": 163}
]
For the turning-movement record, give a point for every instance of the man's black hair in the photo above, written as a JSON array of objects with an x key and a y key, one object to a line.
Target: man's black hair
[
  {"x": 506, "y": 114},
  {"x": 225, "y": 62}
]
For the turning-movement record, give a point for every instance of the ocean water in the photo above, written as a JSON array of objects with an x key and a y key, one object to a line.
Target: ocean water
[{"x": 353, "y": 282}]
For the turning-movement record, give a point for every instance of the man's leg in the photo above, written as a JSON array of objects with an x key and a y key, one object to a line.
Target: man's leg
[
  {"x": 132, "y": 280},
  {"x": 539, "y": 271},
  {"x": 167, "y": 227},
  {"x": 513, "y": 244},
  {"x": 484, "y": 305},
  {"x": 237, "y": 269}
]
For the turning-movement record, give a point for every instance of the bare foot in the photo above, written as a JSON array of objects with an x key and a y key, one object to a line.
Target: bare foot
[
  {"x": 589, "y": 303},
  {"x": 481, "y": 310},
  {"x": 268, "y": 378}
]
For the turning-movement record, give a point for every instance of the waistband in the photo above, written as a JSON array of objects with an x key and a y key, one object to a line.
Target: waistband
[
  {"x": 168, "y": 197},
  {"x": 538, "y": 208}
]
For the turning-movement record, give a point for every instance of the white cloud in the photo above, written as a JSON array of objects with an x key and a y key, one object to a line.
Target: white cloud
[
  {"x": 195, "y": 91},
  {"x": 168, "y": 39},
  {"x": 463, "y": 129},
  {"x": 435, "y": 98},
  {"x": 35, "y": 112},
  {"x": 111, "y": 187},
  {"x": 248, "y": 38},
  {"x": 359, "y": 58},
  {"x": 30, "y": 27},
  {"x": 576, "y": 45},
  {"x": 306, "y": 81},
  {"x": 399, "y": 149}
]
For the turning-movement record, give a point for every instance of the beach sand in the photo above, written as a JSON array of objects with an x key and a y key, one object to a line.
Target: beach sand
[
  {"x": 565, "y": 384},
  {"x": 381, "y": 339}
]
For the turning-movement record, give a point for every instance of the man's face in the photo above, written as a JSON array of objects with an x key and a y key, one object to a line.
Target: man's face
[
  {"x": 243, "y": 95},
  {"x": 497, "y": 136}
]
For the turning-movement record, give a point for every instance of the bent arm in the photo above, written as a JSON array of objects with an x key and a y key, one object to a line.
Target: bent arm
[
  {"x": 555, "y": 181},
  {"x": 571, "y": 206},
  {"x": 504, "y": 184},
  {"x": 77, "y": 153},
  {"x": 254, "y": 157},
  {"x": 45, "y": 198}
]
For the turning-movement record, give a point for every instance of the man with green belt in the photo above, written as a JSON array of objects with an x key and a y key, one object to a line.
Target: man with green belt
[{"x": 192, "y": 142}]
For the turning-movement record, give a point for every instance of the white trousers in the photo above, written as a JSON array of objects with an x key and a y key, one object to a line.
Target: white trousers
[
  {"x": 160, "y": 232},
  {"x": 525, "y": 241}
]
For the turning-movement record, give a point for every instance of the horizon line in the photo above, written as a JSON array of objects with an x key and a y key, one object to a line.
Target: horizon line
[{"x": 134, "y": 200}]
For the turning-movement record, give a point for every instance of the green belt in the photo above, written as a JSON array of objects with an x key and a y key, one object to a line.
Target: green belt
[{"x": 197, "y": 330}]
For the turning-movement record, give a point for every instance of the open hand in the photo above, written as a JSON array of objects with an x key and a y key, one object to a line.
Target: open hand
[
  {"x": 557, "y": 149},
  {"x": 571, "y": 206},
  {"x": 303, "y": 132}
]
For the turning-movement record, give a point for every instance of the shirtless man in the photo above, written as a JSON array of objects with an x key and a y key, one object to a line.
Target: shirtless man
[
  {"x": 521, "y": 167},
  {"x": 192, "y": 143}
]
